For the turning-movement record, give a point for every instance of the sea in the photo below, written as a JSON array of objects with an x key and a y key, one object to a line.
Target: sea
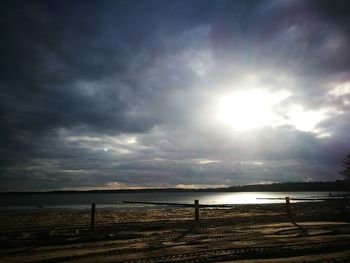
[{"x": 83, "y": 201}]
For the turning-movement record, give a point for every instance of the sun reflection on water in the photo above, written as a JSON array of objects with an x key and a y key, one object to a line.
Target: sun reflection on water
[{"x": 243, "y": 198}]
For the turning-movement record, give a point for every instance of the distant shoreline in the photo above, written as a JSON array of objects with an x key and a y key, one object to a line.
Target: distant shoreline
[{"x": 335, "y": 186}]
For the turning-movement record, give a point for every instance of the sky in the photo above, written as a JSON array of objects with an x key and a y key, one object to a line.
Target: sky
[{"x": 188, "y": 94}]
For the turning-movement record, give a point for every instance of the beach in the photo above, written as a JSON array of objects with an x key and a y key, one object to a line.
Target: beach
[{"x": 310, "y": 232}]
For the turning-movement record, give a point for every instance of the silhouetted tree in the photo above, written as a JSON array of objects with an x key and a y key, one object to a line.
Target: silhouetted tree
[{"x": 346, "y": 167}]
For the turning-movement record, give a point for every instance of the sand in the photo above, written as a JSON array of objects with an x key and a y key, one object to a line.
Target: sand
[{"x": 315, "y": 232}]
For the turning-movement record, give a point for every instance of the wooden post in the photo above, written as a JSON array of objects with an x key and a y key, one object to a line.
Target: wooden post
[
  {"x": 288, "y": 206},
  {"x": 93, "y": 206},
  {"x": 196, "y": 211}
]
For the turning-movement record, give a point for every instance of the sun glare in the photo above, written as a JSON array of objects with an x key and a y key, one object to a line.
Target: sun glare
[{"x": 249, "y": 109}]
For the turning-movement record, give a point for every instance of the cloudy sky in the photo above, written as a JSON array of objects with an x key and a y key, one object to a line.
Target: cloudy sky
[{"x": 131, "y": 94}]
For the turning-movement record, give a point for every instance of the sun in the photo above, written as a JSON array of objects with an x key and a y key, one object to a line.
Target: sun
[{"x": 250, "y": 109}]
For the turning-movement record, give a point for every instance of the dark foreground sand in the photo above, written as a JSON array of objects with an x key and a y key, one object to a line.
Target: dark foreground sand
[{"x": 316, "y": 232}]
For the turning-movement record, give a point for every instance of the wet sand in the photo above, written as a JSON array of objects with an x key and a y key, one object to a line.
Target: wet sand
[{"x": 315, "y": 232}]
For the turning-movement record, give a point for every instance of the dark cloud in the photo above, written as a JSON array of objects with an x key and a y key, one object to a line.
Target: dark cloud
[{"x": 124, "y": 93}]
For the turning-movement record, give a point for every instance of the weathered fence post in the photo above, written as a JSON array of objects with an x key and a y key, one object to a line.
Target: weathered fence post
[
  {"x": 196, "y": 211},
  {"x": 93, "y": 206},
  {"x": 288, "y": 206}
]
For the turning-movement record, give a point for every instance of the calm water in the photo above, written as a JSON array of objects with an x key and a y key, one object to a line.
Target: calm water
[{"x": 115, "y": 200}]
